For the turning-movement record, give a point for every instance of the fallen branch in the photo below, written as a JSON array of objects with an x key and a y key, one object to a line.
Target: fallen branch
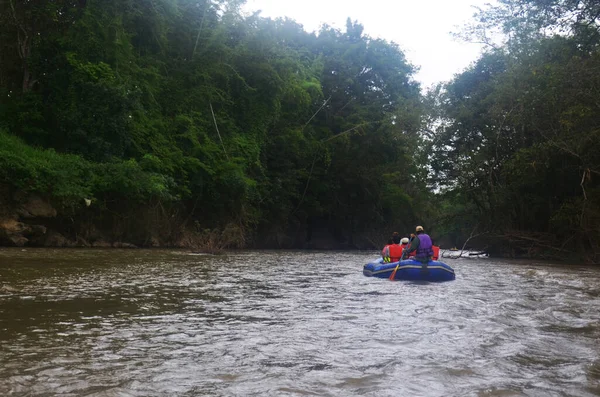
[
  {"x": 547, "y": 243},
  {"x": 472, "y": 236},
  {"x": 344, "y": 133},
  {"x": 317, "y": 112}
]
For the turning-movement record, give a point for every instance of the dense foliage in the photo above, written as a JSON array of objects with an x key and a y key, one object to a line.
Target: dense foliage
[
  {"x": 215, "y": 118},
  {"x": 518, "y": 132},
  {"x": 171, "y": 115}
]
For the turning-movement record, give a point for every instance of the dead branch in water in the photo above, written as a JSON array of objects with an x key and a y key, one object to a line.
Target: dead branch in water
[
  {"x": 541, "y": 240},
  {"x": 536, "y": 245},
  {"x": 472, "y": 236}
]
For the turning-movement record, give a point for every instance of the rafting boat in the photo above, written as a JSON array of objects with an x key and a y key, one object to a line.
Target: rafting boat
[{"x": 411, "y": 270}]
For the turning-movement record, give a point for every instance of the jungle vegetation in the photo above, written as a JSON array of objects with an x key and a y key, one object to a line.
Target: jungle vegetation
[{"x": 181, "y": 119}]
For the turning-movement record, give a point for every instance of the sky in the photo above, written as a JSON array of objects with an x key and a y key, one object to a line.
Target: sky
[{"x": 422, "y": 28}]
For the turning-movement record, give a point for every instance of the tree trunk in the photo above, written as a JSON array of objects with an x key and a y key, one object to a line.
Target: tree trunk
[{"x": 25, "y": 52}]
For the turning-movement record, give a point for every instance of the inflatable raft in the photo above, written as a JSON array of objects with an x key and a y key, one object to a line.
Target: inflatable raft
[{"x": 411, "y": 270}]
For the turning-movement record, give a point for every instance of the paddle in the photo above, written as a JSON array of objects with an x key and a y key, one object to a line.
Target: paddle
[{"x": 395, "y": 270}]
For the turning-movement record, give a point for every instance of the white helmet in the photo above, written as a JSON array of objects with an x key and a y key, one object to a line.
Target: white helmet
[{"x": 404, "y": 240}]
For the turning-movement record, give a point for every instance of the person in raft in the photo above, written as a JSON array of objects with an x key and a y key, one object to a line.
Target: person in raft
[
  {"x": 435, "y": 248},
  {"x": 393, "y": 252},
  {"x": 384, "y": 250},
  {"x": 423, "y": 246}
]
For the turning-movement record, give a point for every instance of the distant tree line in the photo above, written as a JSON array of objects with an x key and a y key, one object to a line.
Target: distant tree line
[
  {"x": 200, "y": 116},
  {"x": 179, "y": 116}
]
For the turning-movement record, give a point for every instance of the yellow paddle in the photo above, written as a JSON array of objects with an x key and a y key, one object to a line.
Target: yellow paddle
[{"x": 394, "y": 272}]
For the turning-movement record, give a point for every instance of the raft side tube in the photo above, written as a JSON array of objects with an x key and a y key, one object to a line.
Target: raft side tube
[{"x": 411, "y": 270}]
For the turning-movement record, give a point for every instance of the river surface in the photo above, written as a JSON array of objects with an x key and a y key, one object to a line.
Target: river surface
[{"x": 287, "y": 323}]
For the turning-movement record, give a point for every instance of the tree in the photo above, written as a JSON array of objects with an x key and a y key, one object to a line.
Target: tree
[{"x": 518, "y": 130}]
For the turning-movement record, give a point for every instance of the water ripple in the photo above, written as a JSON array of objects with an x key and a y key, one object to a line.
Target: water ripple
[{"x": 168, "y": 323}]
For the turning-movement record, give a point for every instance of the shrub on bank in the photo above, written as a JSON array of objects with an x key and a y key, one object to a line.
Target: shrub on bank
[{"x": 68, "y": 179}]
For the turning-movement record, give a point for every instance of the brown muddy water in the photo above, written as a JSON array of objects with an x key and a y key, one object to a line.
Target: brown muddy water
[{"x": 288, "y": 323}]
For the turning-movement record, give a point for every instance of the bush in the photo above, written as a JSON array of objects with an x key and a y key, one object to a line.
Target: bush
[{"x": 69, "y": 179}]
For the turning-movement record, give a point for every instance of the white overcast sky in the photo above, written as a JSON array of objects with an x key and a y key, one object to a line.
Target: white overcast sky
[{"x": 421, "y": 27}]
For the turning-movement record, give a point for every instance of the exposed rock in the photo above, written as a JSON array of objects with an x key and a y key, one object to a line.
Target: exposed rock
[
  {"x": 12, "y": 232},
  {"x": 18, "y": 241},
  {"x": 37, "y": 235},
  {"x": 13, "y": 227},
  {"x": 33, "y": 206}
]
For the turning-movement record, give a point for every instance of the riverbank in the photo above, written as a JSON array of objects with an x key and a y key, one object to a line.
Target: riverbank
[{"x": 30, "y": 220}]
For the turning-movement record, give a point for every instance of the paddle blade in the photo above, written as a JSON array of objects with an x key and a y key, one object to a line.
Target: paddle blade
[{"x": 394, "y": 272}]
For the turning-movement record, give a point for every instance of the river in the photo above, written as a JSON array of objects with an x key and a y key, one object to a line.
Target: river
[{"x": 289, "y": 323}]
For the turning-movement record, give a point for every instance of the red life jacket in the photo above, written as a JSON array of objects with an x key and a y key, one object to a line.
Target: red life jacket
[
  {"x": 396, "y": 252},
  {"x": 436, "y": 252},
  {"x": 383, "y": 250}
]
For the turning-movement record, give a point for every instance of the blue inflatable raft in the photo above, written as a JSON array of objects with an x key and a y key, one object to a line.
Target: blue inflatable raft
[{"x": 410, "y": 270}]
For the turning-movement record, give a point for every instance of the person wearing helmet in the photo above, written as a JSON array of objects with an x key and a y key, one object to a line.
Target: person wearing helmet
[
  {"x": 423, "y": 246},
  {"x": 393, "y": 252}
]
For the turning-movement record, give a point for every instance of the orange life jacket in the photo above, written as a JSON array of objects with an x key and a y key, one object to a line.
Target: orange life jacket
[
  {"x": 396, "y": 251},
  {"x": 436, "y": 252}
]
